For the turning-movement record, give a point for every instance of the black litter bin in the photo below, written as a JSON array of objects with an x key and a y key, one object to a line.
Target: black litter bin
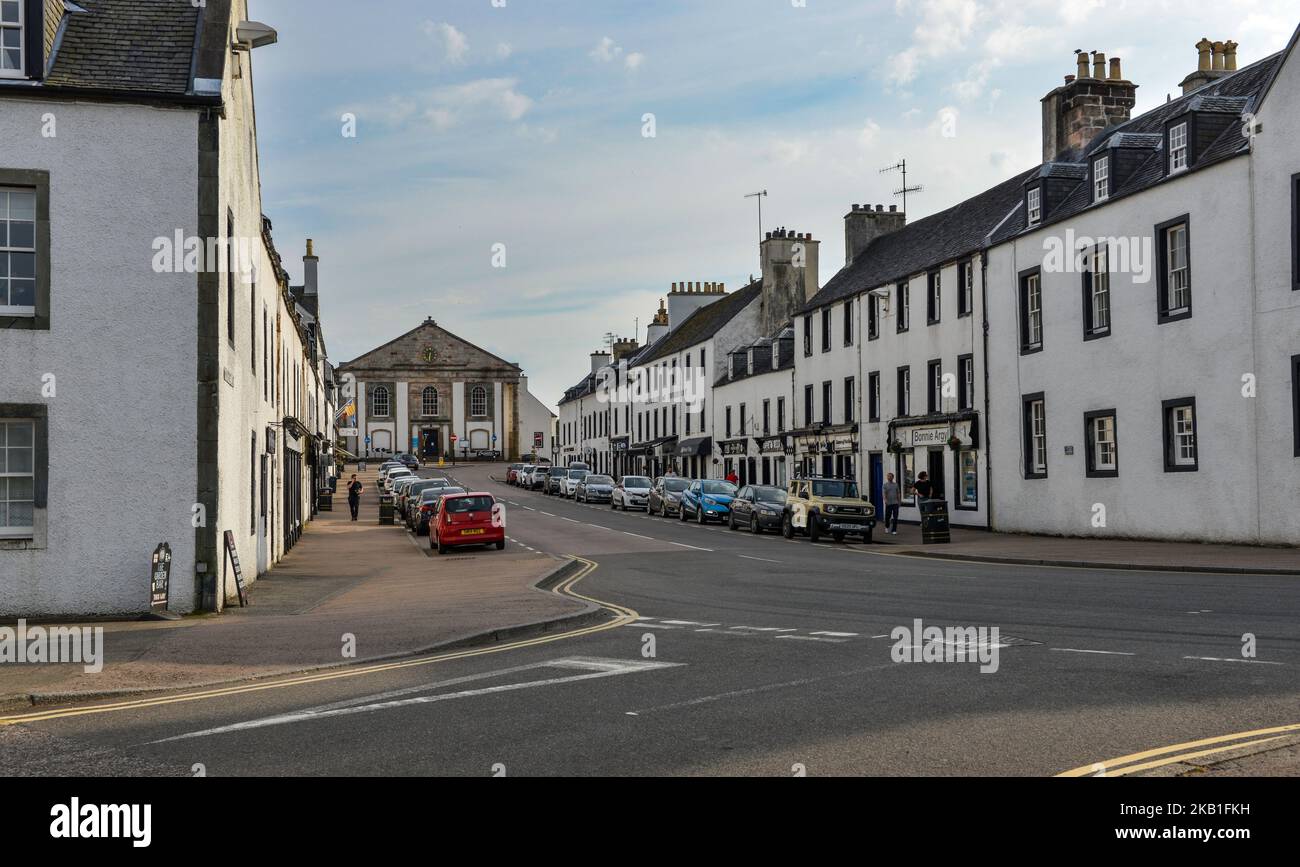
[
  {"x": 325, "y": 501},
  {"x": 934, "y": 522},
  {"x": 386, "y": 509}
]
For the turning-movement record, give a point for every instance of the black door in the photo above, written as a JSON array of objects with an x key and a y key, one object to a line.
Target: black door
[{"x": 936, "y": 474}]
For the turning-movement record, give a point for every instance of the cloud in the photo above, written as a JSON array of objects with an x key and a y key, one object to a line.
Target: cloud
[
  {"x": 634, "y": 60},
  {"x": 868, "y": 134},
  {"x": 446, "y": 107},
  {"x": 943, "y": 29},
  {"x": 504, "y": 50},
  {"x": 454, "y": 44},
  {"x": 605, "y": 51}
]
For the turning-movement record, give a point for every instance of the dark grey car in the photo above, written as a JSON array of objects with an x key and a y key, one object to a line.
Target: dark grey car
[
  {"x": 757, "y": 508},
  {"x": 594, "y": 489}
]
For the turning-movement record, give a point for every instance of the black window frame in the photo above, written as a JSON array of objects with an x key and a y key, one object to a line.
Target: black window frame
[
  {"x": 809, "y": 409},
  {"x": 727, "y": 423},
  {"x": 1189, "y": 118},
  {"x": 1090, "y": 330},
  {"x": 848, "y": 321},
  {"x": 873, "y": 401},
  {"x": 1092, "y": 179},
  {"x": 873, "y": 316},
  {"x": 850, "y": 398},
  {"x": 903, "y": 318},
  {"x": 1166, "y": 424},
  {"x": 965, "y": 278},
  {"x": 1027, "y": 402},
  {"x": 903, "y": 398},
  {"x": 965, "y": 395},
  {"x": 38, "y": 414},
  {"x": 1089, "y": 463},
  {"x": 934, "y": 297},
  {"x": 828, "y": 398},
  {"x": 38, "y": 181},
  {"x": 1038, "y": 188},
  {"x": 826, "y": 329},
  {"x": 1022, "y": 295},
  {"x": 933, "y": 390},
  {"x": 807, "y": 335},
  {"x": 1295, "y": 232},
  {"x": 1295, "y": 401},
  {"x": 1162, "y": 274}
]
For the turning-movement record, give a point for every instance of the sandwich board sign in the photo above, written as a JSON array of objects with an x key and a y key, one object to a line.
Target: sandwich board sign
[
  {"x": 233, "y": 555},
  {"x": 160, "y": 578}
]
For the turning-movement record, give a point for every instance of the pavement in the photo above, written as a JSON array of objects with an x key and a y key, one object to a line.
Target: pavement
[
  {"x": 380, "y": 585},
  {"x": 1102, "y": 553}
]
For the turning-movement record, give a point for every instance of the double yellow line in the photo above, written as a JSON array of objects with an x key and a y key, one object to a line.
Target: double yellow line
[
  {"x": 623, "y": 616},
  {"x": 1134, "y": 763}
]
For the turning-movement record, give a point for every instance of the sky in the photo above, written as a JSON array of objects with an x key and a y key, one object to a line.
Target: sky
[{"x": 535, "y": 174}]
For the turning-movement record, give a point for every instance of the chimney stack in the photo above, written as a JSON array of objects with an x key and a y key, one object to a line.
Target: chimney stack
[
  {"x": 599, "y": 359},
  {"x": 1213, "y": 61},
  {"x": 865, "y": 223},
  {"x": 790, "y": 263},
  {"x": 309, "y": 270},
  {"x": 1087, "y": 104}
]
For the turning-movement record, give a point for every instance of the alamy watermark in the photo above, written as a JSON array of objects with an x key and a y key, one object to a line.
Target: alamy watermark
[
  {"x": 1076, "y": 254},
  {"x": 653, "y": 385},
  {"x": 53, "y": 644},
  {"x": 921, "y": 643}
]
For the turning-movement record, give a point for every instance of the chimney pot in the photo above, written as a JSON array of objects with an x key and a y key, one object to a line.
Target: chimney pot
[
  {"x": 1230, "y": 56},
  {"x": 1218, "y": 56},
  {"x": 1115, "y": 73},
  {"x": 1081, "y": 59},
  {"x": 309, "y": 248},
  {"x": 879, "y": 208},
  {"x": 1098, "y": 65},
  {"x": 893, "y": 209},
  {"x": 1203, "y": 49}
]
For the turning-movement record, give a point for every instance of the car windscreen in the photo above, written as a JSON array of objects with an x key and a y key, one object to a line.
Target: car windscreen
[
  {"x": 835, "y": 488},
  {"x": 675, "y": 485},
  {"x": 558, "y": 472},
  {"x": 636, "y": 482},
  {"x": 428, "y": 495},
  {"x": 769, "y": 495},
  {"x": 711, "y": 487},
  {"x": 459, "y": 505},
  {"x": 578, "y": 475},
  {"x": 598, "y": 480}
]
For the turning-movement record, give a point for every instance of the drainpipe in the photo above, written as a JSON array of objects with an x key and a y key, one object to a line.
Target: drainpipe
[{"x": 988, "y": 436}]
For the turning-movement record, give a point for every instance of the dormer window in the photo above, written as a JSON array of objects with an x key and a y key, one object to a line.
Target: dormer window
[
  {"x": 1178, "y": 147},
  {"x": 11, "y": 39},
  {"x": 1101, "y": 179},
  {"x": 1034, "y": 206}
]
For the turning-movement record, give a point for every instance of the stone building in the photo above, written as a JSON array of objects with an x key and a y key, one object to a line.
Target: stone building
[{"x": 430, "y": 392}]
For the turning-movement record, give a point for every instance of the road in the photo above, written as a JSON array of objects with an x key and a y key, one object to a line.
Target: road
[{"x": 727, "y": 653}]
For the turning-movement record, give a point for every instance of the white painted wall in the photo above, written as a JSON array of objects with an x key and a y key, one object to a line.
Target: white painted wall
[{"x": 123, "y": 349}]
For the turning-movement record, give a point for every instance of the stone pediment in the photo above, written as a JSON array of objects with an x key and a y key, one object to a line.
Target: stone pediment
[{"x": 432, "y": 349}]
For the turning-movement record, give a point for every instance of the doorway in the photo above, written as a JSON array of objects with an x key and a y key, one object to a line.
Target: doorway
[
  {"x": 877, "y": 482},
  {"x": 935, "y": 468}
]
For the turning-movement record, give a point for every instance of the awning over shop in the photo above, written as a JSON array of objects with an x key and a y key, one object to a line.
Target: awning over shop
[
  {"x": 695, "y": 447},
  {"x": 776, "y": 444},
  {"x": 732, "y": 448}
]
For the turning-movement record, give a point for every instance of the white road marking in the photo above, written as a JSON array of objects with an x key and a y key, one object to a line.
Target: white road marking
[
  {"x": 1077, "y": 650},
  {"x": 548, "y": 514},
  {"x": 690, "y": 623},
  {"x": 814, "y": 638},
  {"x": 762, "y": 559},
  {"x": 767, "y": 628},
  {"x": 596, "y": 666},
  {"x": 880, "y": 636},
  {"x": 727, "y": 632},
  {"x": 639, "y": 536},
  {"x": 692, "y": 547},
  {"x": 1230, "y": 659},
  {"x": 654, "y": 626},
  {"x": 572, "y": 520},
  {"x": 836, "y": 634}
]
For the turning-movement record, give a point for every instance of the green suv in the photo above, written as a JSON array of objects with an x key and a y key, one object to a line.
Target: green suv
[{"x": 820, "y": 507}]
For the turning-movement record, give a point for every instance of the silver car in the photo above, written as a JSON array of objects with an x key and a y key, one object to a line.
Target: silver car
[
  {"x": 595, "y": 488},
  {"x": 631, "y": 492}
]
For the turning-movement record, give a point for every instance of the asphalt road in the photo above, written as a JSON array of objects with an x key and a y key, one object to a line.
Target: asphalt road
[{"x": 751, "y": 655}]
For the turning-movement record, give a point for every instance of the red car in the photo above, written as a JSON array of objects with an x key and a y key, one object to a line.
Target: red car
[{"x": 467, "y": 519}]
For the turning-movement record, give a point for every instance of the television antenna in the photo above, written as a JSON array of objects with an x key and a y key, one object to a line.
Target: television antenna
[
  {"x": 901, "y": 166},
  {"x": 760, "y": 195}
]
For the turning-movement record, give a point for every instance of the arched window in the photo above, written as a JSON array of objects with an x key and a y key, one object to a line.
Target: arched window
[
  {"x": 478, "y": 401},
  {"x": 429, "y": 401},
  {"x": 379, "y": 402}
]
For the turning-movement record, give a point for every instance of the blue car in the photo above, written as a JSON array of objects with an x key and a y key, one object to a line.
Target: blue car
[{"x": 707, "y": 500}]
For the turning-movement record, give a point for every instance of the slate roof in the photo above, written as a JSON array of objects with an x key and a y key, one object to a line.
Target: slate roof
[
  {"x": 943, "y": 237},
  {"x": 128, "y": 45},
  {"x": 997, "y": 214},
  {"x": 701, "y": 324}
]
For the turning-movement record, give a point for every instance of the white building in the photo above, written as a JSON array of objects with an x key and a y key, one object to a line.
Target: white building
[
  {"x": 1153, "y": 391},
  {"x": 754, "y": 401},
  {"x": 148, "y": 338}
]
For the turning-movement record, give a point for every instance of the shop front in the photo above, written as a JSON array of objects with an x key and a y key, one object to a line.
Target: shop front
[
  {"x": 829, "y": 451},
  {"x": 693, "y": 457},
  {"x": 947, "y": 449},
  {"x": 773, "y": 453}
]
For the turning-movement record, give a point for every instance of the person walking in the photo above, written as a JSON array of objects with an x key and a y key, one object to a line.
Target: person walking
[
  {"x": 924, "y": 487},
  {"x": 893, "y": 499},
  {"x": 354, "y": 495}
]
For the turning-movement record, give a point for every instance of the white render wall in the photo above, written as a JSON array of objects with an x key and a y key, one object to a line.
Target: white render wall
[
  {"x": 1277, "y": 325},
  {"x": 1140, "y": 365},
  {"x": 123, "y": 349}
]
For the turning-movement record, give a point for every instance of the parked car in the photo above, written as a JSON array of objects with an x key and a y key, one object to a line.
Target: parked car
[
  {"x": 400, "y": 484},
  {"x": 665, "y": 498},
  {"x": 411, "y": 462},
  {"x": 465, "y": 519},
  {"x": 387, "y": 480},
  {"x": 595, "y": 488},
  {"x": 538, "y": 477},
  {"x": 571, "y": 480},
  {"x": 757, "y": 508},
  {"x": 579, "y": 465},
  {"x": 554, "y": 480},
  {"x": 512, "y": 473},
  {"x": 632, "y": 493},
  {"x": 707, "y": 500},
  {"x": 833, "y": 506},
  {"x": 427, "y": 506},
  {"x": 410, "y": 501}
]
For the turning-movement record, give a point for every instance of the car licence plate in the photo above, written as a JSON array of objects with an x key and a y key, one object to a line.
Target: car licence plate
[
  {"x": 472, "y": 532},
  {"x": 848, "y": 528}
]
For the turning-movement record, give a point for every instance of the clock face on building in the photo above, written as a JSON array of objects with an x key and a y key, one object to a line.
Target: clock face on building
[{"x": 429, "y": 355}]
